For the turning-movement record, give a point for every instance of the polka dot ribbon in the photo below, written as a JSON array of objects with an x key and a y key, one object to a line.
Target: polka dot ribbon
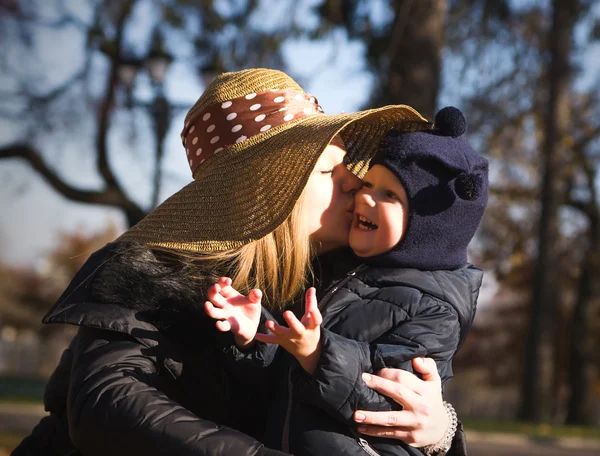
[{"x": 238, "y": 119}]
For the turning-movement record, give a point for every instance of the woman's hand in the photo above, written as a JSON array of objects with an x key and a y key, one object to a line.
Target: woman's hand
[
  {"x": 423, "y": 420},
  {"x": 233, "y": 311}
]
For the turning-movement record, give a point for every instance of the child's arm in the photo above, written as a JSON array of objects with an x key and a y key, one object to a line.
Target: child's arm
[
  {"x": 336, "y": 383},
  {"x": 243, "y": 316},
  {"x": 302, "y": 337}
]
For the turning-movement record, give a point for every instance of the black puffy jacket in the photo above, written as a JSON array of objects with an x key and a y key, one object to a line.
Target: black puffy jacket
[
  {"x": 144, "y": 375},
  {"x": 372, "y": 318}
]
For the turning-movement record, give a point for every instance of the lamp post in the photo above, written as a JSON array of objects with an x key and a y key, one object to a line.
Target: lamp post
[{"x": 156, "y": 63}]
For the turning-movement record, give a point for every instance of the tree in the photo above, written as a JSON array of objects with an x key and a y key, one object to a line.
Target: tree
[
  {"x": 532, "y": 122},
  {"x": 96, "y": 92},
  {"x": 538, "y": 386},
  {"x": 403, "y": 51}
]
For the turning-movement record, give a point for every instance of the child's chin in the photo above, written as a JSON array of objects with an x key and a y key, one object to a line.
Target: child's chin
[{"x": 358, "y": 249}]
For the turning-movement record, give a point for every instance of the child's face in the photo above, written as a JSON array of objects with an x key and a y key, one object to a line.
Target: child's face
[{"x": 380, "y": 213}]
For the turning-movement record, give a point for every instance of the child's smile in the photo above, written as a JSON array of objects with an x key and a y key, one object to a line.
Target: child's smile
[{"x": 363, "y": 223}]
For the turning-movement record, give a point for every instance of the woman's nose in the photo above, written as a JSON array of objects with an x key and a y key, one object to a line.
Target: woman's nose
[{"x": 350, "y": 182}]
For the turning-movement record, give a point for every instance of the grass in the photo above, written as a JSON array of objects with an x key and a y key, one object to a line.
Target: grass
[
  {"x": 22, "y": 389},
  {"x": 25, "y": 400},
  {"x": 8, "y": 441},
  {"x": 532, "y": 429}
]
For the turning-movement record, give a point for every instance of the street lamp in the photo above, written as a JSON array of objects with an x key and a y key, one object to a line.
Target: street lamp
[{"x": 157, "y": 64}]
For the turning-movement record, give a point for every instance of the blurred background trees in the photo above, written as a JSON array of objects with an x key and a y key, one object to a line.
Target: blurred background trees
[{"x": 523, "y": 72}]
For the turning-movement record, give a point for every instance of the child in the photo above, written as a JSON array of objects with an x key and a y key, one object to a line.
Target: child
[{"x": 413, "y": 293}]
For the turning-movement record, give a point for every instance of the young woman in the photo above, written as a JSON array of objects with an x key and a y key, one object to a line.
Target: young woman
[{"x": 147, "y": 372}]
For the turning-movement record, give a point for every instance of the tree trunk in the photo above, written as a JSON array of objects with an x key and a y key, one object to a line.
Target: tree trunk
[
  {"x": 411, "y": 67},
  {"x": 537, "y": 399},
  {"x": 580, "y": 349}
]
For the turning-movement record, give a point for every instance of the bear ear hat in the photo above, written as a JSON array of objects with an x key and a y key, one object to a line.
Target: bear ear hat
[
  {"x": 449, "y": 121},
  {"x": 469, "y": 186}
]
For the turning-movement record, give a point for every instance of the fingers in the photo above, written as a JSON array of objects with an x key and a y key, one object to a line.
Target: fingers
[
  {"x": 404, "y": 378},
  {"x": 276, "y": 328},
  {"x": 223, "y": 325},
  {"x": 266, "y": 338},
  {"x": 427, "y": 368},
  {"x": 403, "y": 419},
  {"x": 227, "y": 291},
  {"x": 224, "y": 282},
  {"x": 278, "y": 333},
  {"x": 214, "y": 295},
  {"x": 312, "y": 316},
  {"x": 293, "y": 323},
  {"x": 222, "y": 294},
  {"x": 255, "y": 296},
  {"x": 311, "y": 300},
  {"x": 215, "y": 312},
  {"x": 388, "y": 432},
  {"x": 396, "y": 391}
]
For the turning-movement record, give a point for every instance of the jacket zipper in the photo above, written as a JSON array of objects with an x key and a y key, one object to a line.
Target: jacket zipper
[
  {"x": 340, "y": 284},
  {"x": 285, "y": 438},
  {"x": 366, "y": 447}
]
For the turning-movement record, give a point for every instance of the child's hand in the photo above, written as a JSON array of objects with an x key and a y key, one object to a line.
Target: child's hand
[
  {"x": 302, "y": 338},
  {"x": 234, "y": 311}
]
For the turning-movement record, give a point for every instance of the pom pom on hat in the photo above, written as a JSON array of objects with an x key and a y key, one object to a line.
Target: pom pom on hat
[
  {"x": 469, "y": 186},
  {"x": 449, "y": 121}
]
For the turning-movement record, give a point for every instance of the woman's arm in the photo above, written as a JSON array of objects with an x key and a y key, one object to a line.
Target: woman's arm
[
  {"x": 337, "y": 384},
  {"x": 423, "y": 419},
  {"x": 115, "y": 407}
]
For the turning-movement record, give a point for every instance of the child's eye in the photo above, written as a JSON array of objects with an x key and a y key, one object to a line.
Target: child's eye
[
  {"x": 392, "y": 195},
  {"x": 329, "y": 171},
  {"x": 367, "y": 184}
]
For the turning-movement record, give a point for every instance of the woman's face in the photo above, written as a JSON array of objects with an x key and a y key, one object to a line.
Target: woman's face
[{"x": 329, "y": 199}]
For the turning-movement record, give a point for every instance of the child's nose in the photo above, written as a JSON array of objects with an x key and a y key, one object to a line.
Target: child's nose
[{"x": 365, "y": 197}]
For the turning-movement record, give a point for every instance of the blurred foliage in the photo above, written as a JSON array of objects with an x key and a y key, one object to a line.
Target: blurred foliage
[{"x": 26, "y": 294}]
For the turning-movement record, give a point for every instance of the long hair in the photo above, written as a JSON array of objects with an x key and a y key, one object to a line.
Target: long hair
[{"x": 278, "y": 263}]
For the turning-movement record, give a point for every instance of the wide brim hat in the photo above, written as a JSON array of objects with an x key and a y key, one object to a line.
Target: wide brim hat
[{"x": 247, "y": 183}]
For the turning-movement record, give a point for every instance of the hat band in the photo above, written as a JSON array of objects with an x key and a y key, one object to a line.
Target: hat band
[{"x": 236, "y": 120}]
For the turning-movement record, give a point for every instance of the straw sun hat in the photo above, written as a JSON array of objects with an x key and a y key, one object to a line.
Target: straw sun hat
[{"x": 252, "y": 141}]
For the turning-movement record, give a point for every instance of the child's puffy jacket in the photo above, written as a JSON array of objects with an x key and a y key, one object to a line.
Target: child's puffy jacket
[{"x": 373, "y": 318}]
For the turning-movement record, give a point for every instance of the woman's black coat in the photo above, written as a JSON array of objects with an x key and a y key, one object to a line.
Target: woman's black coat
[{"x": 144, "y": 375}]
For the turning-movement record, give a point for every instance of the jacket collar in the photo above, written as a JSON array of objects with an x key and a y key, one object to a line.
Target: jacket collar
[{"x": 91, "y": 300}]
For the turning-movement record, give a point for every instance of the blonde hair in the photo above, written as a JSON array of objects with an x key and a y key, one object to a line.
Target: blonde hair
[{"x": 278, "y": 264}]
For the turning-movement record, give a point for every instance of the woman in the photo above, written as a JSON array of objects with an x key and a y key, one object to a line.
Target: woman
[{"x": 147, "y": 372}]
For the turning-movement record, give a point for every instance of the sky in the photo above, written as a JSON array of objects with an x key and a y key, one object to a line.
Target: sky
[{"x": 33, "y": 215}]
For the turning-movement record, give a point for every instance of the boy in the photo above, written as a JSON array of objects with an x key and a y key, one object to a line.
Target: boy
[{"x": 413, "y": 293}]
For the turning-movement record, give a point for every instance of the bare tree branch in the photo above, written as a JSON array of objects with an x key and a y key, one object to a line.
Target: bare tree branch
[
  {"x": 515, "y": 194},
  {"x": 108, "y": 102},
  {"x": 109, "y": 196}
]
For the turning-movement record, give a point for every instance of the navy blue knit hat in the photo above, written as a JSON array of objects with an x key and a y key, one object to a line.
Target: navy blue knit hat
[{"x": 447, "y": 186}]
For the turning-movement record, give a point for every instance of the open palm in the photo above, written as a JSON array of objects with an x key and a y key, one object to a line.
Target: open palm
[{"x": 233, "y": 311}]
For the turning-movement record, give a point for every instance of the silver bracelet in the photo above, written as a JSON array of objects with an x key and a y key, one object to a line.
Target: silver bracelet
[{"x": 443, "y": 445}]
